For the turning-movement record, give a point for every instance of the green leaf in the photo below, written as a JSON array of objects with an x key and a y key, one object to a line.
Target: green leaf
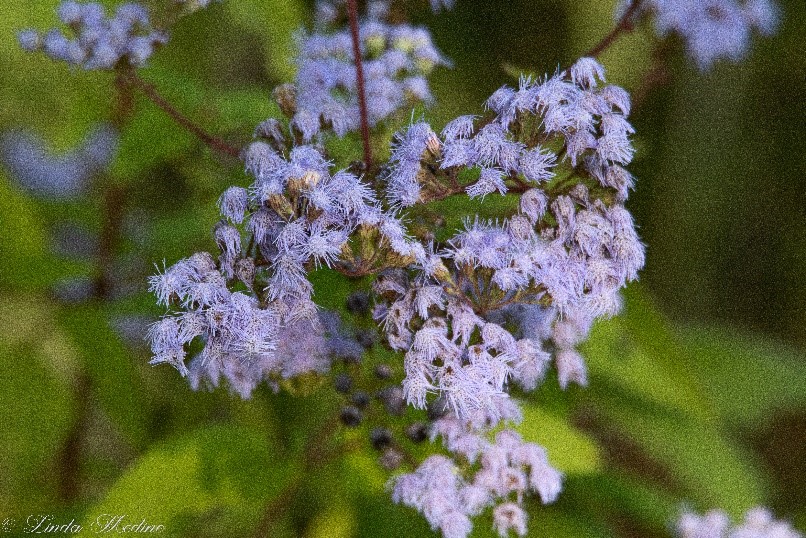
[
  {"x": 747, "y": 377},
  {"x": 378, "y": 516},
  {"x": 338, "y": 521},
  {"x": 49, "y": 97},
  {"x": 553, "y": 522},
  {"x": 113, "y": 378},
  {"x": 364, "y": 473},
  {"x": 626, "y": 59},
  {"x": 331, "y": 289},
  {"x": 569, "y": 449},
  {"x": 151, "y": 137},
  {"x": 646, "y": 506},
  {"x": 644, "y": 384},
  {"x": 26, "y": 263},
  {"x": 711, "y": 466},
  {"x": 637, "y": 353},
  {"x": 37, "y": 367},
  {"x": 244, "y": 109},
  {"x": 276, "y": 21},
  {"x": 222, "y": 473}
]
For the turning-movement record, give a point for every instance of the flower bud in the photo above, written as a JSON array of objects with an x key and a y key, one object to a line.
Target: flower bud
[
  {"x": 383, "y": 371},
  {"x": 417, "y": 432},
  {"x": 405, "y": 44},
  {"x": 358, "y": 303},
  {"x": 434, "y": 145},
  {"x": 286, "y": 97},
  {"x": 271, "y": 130},
  {"x": 360, "y": 399},
  {"x": 245, "y": 271},
  {"x": 391, "y": 459},
  {"x": 366, "y": 338},
  {"x": 375, "y": 44},
  {"x": 308, "y": 180},
  {"x": 393, "y": 401},
  {"x": 424, "y": 65},
  {"x": 281, "y": 205}
]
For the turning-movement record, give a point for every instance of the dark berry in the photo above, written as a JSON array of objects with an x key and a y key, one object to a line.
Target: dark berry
[
  {"x": 366, "y": 338},
  {"x": 343, "y": 383},
  {"x": 380, "y": 438},
  {"x": 383, "y": 371},
  {"x": 346, "y": 349},
  {"x": 351, "y": 416},
  {"x": 417, "y": 432},
  {"x": 358, "y": 303},
  {"x": 437, "y": 409},
  {"x": 361, "y": 399},
  {"x": 391, "y": 459}
]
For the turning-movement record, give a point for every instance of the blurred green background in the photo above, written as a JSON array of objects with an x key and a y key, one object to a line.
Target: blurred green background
[{"x": 697, "y": 392}]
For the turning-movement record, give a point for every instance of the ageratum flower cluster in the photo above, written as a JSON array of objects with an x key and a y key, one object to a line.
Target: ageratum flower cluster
[
  {"x": 559, "y": 261},
  {"x": 497, "y": 474},
  {"x": 99, "y": 42},
  {"x": 396, "y": 59},
  {"x": 488, "y": 309},
  {"x": 298, "y": 215},
  {"x": 758, "y": 523},
  {"x": 711, "y": 29},
  {"x": 478, "y": 313},
  {"x": 41, "y": 170},
  {"x": 510, "y": 295}
]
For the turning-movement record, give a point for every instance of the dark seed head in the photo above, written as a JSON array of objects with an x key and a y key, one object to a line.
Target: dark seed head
[
  {"x": 343, "y": 383},
  {"x": 383, "y": 371},
  {"x": 391, "y": 459},
  {"x": 346, "y": 349},
  {"x": 361, "y": 399},
  {"x": 380, "y": 438},
  {"x": 367, "y": 339},
  {"x": 417, "y": 432},
  {"x": 358, "y": 303},
  {"x": 437, "y": 409},
  {"x": 392, "y": 398},
  {"x": 351, "y": 416}
]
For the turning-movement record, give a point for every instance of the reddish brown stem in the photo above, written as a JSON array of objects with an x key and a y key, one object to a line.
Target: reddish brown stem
[
  {"x": 69, "y": 462},
  {"x": 150, "y": 91},
  {"x": 352, "y": 12},
  {"x": 124, "y": 103},
  {"x": 624, "y": 25},
  {"x": 658, "y": 75},
  {"x": 112, "y": 214}
]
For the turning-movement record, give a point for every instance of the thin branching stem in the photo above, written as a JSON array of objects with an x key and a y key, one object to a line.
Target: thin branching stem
[
  {"x": 623, "y": 26},
  {"x": 352, "y": 12},
  {"x": 150, "y": 91},
  {"x": 70, "y": 453}
]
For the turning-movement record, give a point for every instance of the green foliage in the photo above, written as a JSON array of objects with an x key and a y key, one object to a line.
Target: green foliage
[
  {"x": 730, "y": 365},
  {"x": 22, "y": 240},
  {"x": 109, "y": 368},
  {"x": 650, "y": 394},
  {"x": 37, "y": 403},
  {"x": 570, "y": 450},
  {"x": 275, "y": 22},
  {"x": 223, "y": 473}
]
